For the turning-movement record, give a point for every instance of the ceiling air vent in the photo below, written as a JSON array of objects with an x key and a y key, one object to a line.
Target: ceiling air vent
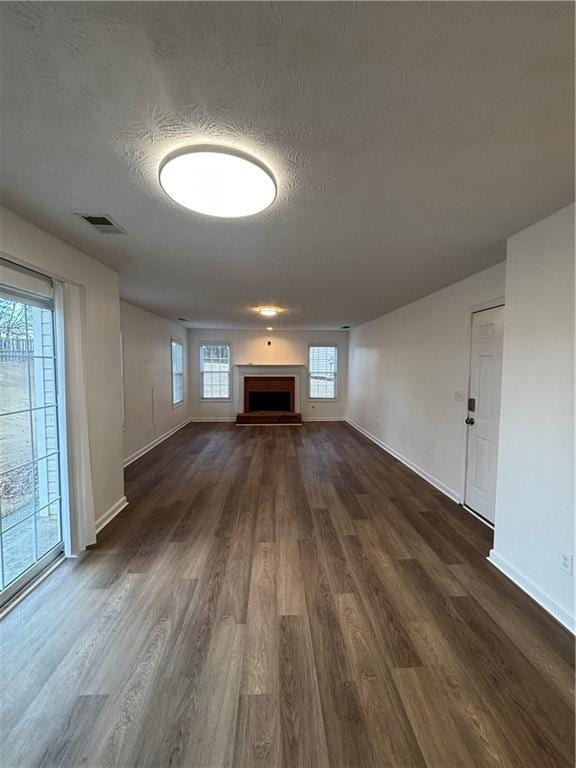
[{"x": 102, "y": 222}]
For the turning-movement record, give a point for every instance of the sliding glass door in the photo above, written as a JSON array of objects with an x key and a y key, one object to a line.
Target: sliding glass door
[{"x": 30, "y": 496}]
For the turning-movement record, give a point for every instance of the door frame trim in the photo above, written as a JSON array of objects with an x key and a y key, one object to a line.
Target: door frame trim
[{"x": 474, "y": 309}]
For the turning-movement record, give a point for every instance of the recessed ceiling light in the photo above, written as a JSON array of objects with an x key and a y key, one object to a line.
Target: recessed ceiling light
[
  {"x": 217, "y": 182},
  {"x": 269, "y": 328},
  {"x": 268, "y": 311}
]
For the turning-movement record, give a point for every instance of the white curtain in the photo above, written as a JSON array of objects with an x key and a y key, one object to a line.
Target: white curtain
[{"x": 79, "y": 529}]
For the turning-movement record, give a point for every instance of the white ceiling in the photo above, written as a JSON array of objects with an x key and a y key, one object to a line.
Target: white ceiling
[{"x": 408, "y": 139}]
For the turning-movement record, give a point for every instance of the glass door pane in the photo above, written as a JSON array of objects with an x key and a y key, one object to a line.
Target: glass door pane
[{"x": 30, "y": 499}]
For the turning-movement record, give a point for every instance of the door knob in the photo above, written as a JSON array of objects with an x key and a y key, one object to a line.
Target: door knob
[{"x": 470, "y": 420}]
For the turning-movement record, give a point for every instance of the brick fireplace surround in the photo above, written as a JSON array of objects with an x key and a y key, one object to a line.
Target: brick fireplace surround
[{"x": 269, "y": 400}]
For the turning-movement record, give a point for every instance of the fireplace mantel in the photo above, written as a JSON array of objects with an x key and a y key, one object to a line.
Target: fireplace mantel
[{"x": 251, "y": 366}]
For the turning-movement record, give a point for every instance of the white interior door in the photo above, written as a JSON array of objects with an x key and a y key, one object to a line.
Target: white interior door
[{"x": 484, "y": 410}]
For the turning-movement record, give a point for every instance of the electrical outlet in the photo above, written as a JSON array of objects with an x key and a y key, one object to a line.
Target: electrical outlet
[{"x": 566, "y": 562}]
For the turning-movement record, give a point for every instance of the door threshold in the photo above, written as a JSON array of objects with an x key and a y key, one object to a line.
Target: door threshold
[
  {"x": 479, "y": 516},
  {"x": 13, "y": 601}
]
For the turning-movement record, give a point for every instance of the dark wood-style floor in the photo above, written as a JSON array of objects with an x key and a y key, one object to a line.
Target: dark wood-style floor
[{"x": 284, "y": 596}]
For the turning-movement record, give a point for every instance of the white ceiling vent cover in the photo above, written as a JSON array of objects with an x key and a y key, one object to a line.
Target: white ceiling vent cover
[{"x": 102, "y": 222}]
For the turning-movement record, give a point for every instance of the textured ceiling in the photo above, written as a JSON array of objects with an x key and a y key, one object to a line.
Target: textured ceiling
[{"x": 408, "y": 139}]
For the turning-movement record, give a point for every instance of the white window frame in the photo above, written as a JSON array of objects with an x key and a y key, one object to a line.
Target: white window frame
[
  {"x": 336, "y": 378},
  {"x": 44, "y": 300},
  {"x": 176, "y": 340},
  {"x": 201, "y": 372}
]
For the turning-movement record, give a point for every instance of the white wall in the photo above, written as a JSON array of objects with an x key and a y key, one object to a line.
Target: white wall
[
  {"x": 405, "y": 370},
  {"x": 288, "y": 348},
  {"x": 148, "y": 410},
  {"x": 535, "y": 495},
  {"x": 32, "y": 246}
]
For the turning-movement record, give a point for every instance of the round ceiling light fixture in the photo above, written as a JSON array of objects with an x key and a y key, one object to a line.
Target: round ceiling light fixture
[
  {"x": 268, "y": 311},
  {"x": 217, "y": 181},
  {"x": 269, "y": 328}
]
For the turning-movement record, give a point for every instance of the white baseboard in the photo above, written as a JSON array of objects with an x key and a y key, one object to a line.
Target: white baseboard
[
  {"x": 208, "y": 419},
  {"x": 438, "y": 484},
  {"x": 212, "y": 418},
  {"x": 157, "y": 440},
  {"x": 324, "y": 418},
  {"x": 543, "y": 599},
  {"x": 111, "y": 513},
  {"x": 479, "y": 517}
]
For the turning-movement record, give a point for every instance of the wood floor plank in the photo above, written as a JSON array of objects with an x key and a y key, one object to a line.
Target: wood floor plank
[
  {"x": 213, "y": 730},
  {"x": 191, "y": 644},
  {"x": 290, "y": 579},
  {"x": 379, "y": 606},
  {"x": 303, "y": 735},
  {"x": 436, "y": 731},
  {"x": 483, "y": 736},
  {"x": 299, "y": 499},
  {"x": 311, "y": 471},
  {"x": 393, "y": 740},
  {"x": 515, "y": 689},
  {"x": 260, "y": 674},
  {"x": 68, "y": 749},
  {"x": 236, "y": 586},
  {"x": 117, "y": 736},
  {"x": 337, "y": 565},
  {"x": 488, "y": 584},
  {"x": 349, "y": 500},
  {"x": 346, "y": 731},
  {"x": 521, "y": 687},
  {"x": 258, "y": 743},
  {"x": 35, "y": 674},
  {"x": 265, "y": 519},
  {"x": 343, "y": 522},
  {"x": 287, "y": 597}
]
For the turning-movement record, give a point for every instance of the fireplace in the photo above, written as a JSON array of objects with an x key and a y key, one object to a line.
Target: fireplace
[{"x": 269, "y": 400}]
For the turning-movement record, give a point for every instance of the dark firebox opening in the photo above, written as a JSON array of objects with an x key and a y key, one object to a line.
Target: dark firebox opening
[{"x": 269, "y": 401}]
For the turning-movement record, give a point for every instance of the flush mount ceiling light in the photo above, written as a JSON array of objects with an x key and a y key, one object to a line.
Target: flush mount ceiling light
[
  {"x": 268, "y": 311},
  {"x": 216, "y": 181}
]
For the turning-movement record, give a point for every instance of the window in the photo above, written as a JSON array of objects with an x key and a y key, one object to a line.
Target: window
[
  {"x": 322, "y": 372},
  {"x": 215, "y": 371},
  {"x": 177, "y": 372},
  {"x": 30, "y": 498}
]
